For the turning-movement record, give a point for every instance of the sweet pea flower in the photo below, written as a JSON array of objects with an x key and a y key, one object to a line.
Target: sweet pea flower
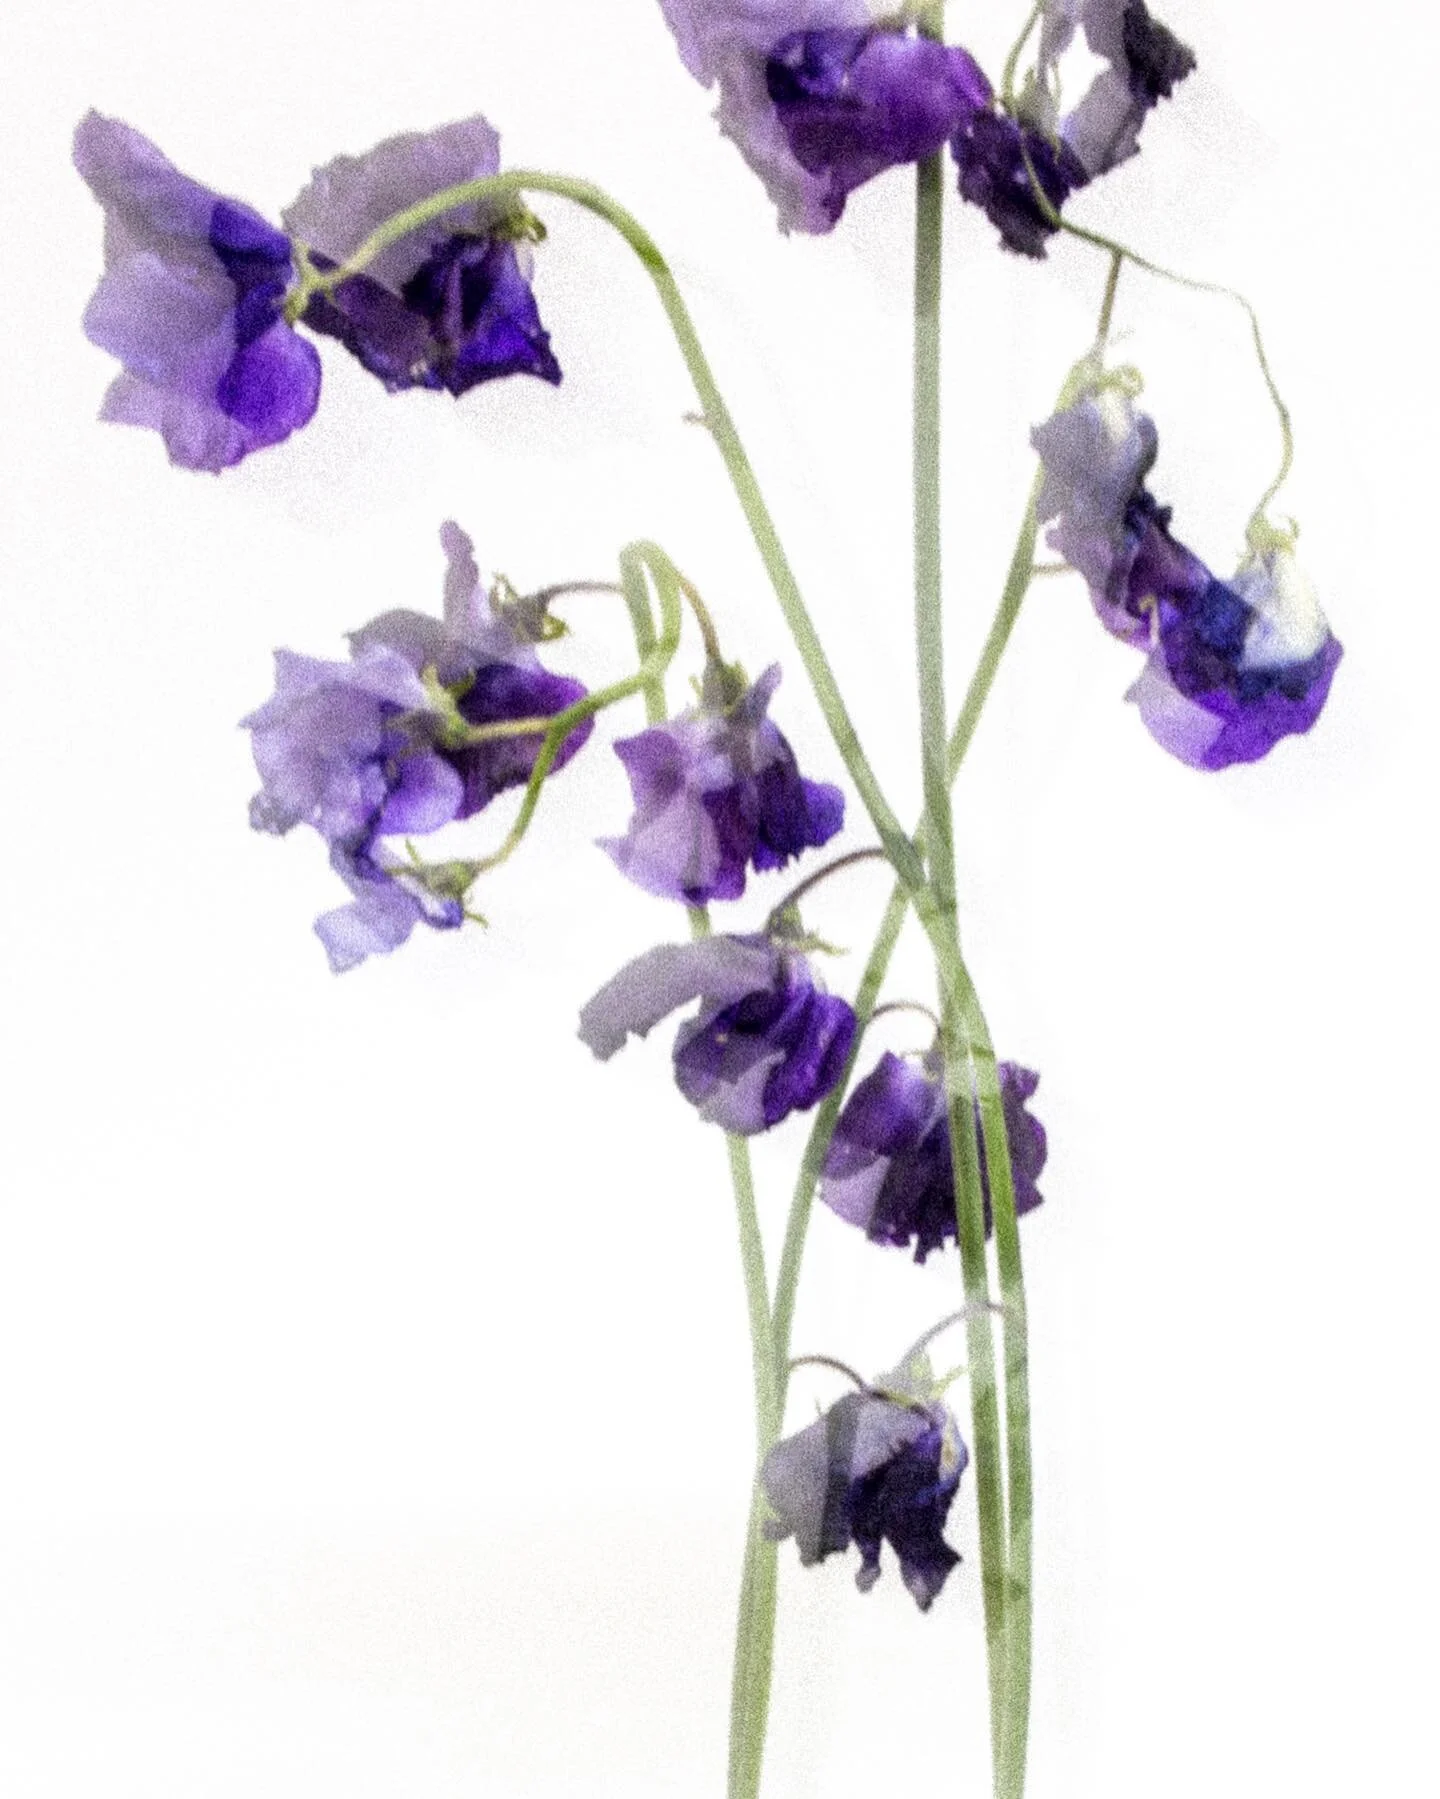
[
  {"x": 889, "y": 1168},
  {"x": 1002, "y": 159},
  {"x": 819, "y": 97},
  {"x": 767, "y": 1040},
  {"x": 449, "y": 304},
  {"x": 366, "y": 749},
  {"x": 882, "y": 1465},
  {"x": 716, "y": 790},
  {"x": 192, "y": 304},
  {"x": 1233, "y": 666}
]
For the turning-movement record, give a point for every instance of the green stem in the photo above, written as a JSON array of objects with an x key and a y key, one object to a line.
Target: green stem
[
  {"x": 755, "y": 1628},
  {"x": 716, "y": 416},
  {"x": 938, "y": 908},
  {"x": 792, "y": 1255},
  {"x": 652, "y": 669}
]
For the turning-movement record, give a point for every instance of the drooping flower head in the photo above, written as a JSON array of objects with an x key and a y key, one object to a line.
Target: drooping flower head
[
  {"x": 367, "y": 749},
  {"x": 767, "y": 1040},
  {"x": 890, "y": 1168},
  {"x": 1001, "y": 159},
  {"x": 1233, "y": 666},
  {"x": 717, "y": 790},
  {"x": 192, "y": 304},
  {"x": 880, "y": 1466},
  {"x": 818, "y": 97},
  {"x": 447, "y": 306}
]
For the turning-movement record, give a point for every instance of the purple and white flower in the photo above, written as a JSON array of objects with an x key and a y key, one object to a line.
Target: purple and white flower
[
  {"x": 1002, "y": 159},
  {"x": 819, "y": 96},
  {"x": 767, "y": 1040},
  {"x": 192, "y": 303},
  {"x": 717, "y": 790},
  {"x": 365, "y": 750},
  {"x": 449, "y": 304},
  {"x": 1233, "y": 666},
  {"x": 873, "y": 1469},
  {"x": 890, "y": 1168}
]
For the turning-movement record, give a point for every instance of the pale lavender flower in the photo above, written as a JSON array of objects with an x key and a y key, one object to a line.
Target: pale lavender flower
[
  {"x": 192, "y": 305},
  {"x": 717, "y": 790},
  {"x": 767, "y": 1041},
  {"x": 873, "y": 1469}
]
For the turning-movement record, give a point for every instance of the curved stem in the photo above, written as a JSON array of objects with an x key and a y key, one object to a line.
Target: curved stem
[
  {"x": 829, "y": 1361},
  {"x": 755, "y": 1628},
  {"x": 801, "y": 888},
  {"x": 559, "y": 727},
  {"x": 716, "y": 416}
]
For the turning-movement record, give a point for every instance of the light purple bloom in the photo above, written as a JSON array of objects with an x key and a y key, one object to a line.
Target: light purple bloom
[
  {"x": 1144, "y": 62},
  {"x": 192, "y": 305},
  {"x": 1233, "y": 667},
  {"x": 447, "y": 306},
  {"x": 872, "y": 1469},
  {"x": 716, "y": 790},
  {"x": 890, "y": 1169},
  {"x": 818, "y": 97},
  {"x": 767, "y": 1041},
  {"x": 363, "y": 750}
]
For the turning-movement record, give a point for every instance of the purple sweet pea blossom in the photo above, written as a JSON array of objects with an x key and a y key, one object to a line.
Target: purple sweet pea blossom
[
  {"x": 192, "y": 305},
  {"x": 447, "y": 306},
  {"x": 1143, "y": 62},
  {"x": 767, "y": 1041},
  {"x": 890, "y": 1169},
  {"x": 873, "y": 1469},
  {"x": 716, "y": 790},
  {"x": 818, "y": 97},
  {"x": 1233, "y": 667},
  {"x": 362, "y": 750}
]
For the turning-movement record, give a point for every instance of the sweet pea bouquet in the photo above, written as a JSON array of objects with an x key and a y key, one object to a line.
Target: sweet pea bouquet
[{"x": 424, "y": 258}]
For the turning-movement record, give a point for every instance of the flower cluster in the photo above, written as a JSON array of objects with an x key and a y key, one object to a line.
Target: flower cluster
[
  {"x": 881, "y": 1466},
  {"x": 1233, "y": 666},
  {"x": 383, "y": 746},
  {"x": 200, "y": 292},
  {"x": 821, "y": 95}
]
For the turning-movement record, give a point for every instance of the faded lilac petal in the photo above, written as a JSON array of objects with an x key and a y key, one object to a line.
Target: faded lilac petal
[
  {"x": 1144, "y": 62},
  {"x": 716, "y": 969},
  {"x": 1095, "y": 455},
  {"x": 192, "y": 305}
]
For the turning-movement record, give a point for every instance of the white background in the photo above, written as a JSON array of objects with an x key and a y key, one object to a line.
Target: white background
[{"x": 373, "y": 1377}]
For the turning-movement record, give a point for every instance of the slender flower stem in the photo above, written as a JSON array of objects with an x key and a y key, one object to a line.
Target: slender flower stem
[
  {"x": 755, "y": 1628},
  {"x": 938, "y": 910},
  {"x": 716, "y": 416},
  {"x": 811, "y": 881},
  {"x": 558, "y": 590}
]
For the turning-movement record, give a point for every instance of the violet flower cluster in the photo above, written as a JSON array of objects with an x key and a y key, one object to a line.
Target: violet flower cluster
[
  {"x": 819, "y": 96},
  {"x": 199, "y": 292},
  {"x": 431, "y": 719}
]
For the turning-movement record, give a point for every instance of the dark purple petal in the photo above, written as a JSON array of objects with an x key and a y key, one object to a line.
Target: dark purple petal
[
  {"x": 905, "y": 1503},
  {"x": 464, "y": 316},
  {"x": 1155, "y": 57},
  {"x": 992, "y": 152},
  {"x": 855, "y": 103},
  {"x": 502, "y": 691}
]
